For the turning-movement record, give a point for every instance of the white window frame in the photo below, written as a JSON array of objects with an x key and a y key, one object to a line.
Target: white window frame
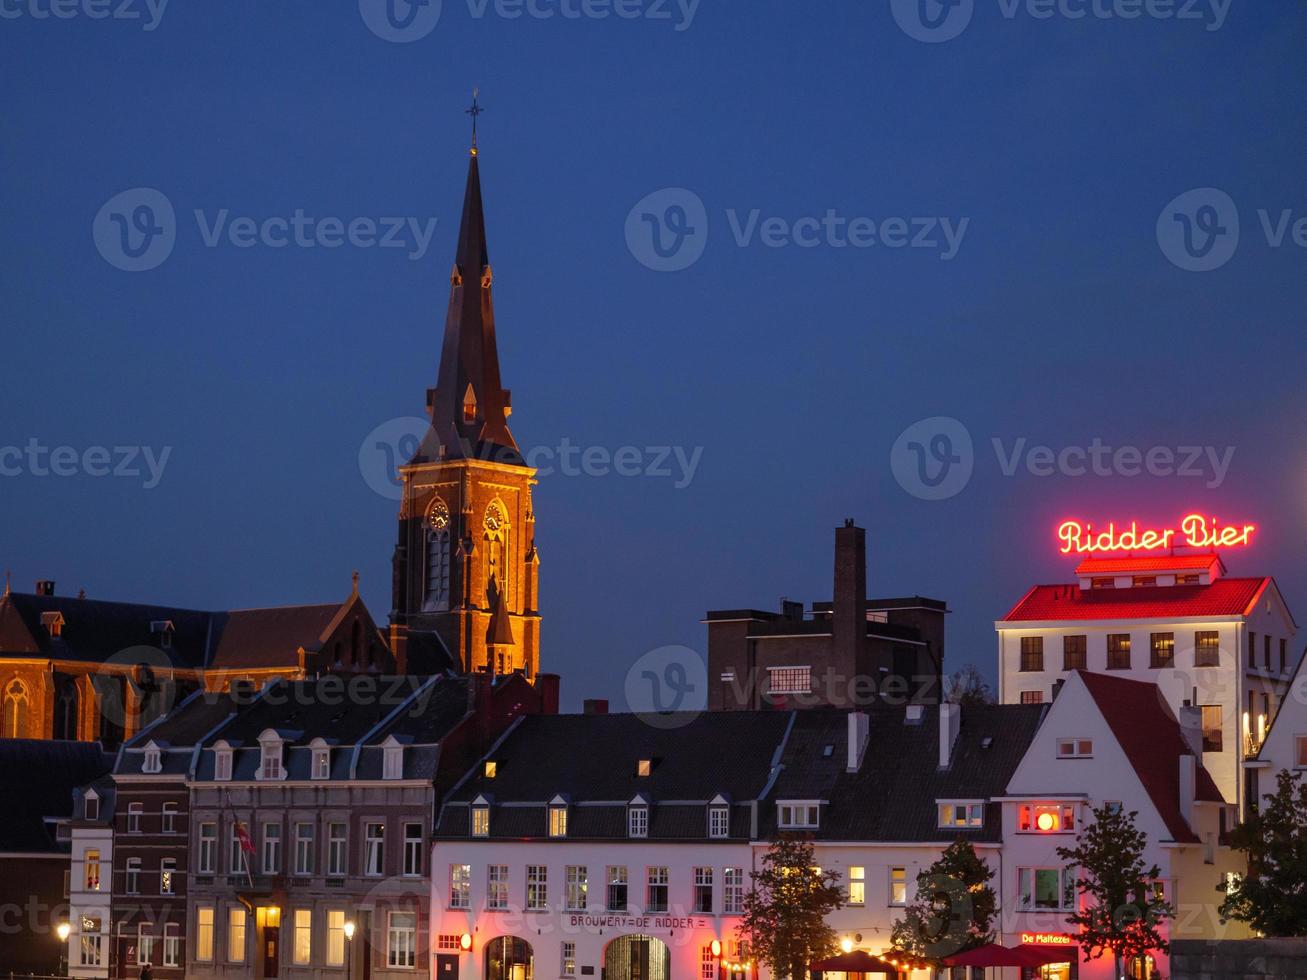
[
  {"x": 206, "y": 852},
  {"x": 798, "y": 814},
  {"x": 335, "y": 954},
  {"x": 301, "y": 927},
  {"x": 732, "y": 891},
  {"x": 460, "y": 886},
  {"x": 237, "y": 952},
  {"x": 204, "y": 949},
  {"x": 567, "y": 957},
  {"x": 637, "y": 821},
  {"x": 576, "y": 891},
  {"x": 222, "y": 764},
  {"x": 704, "y": 878},
  {"x": 1062, "y": 872},
  {"x": 481, "y": 820},
  {"x": 172, "y": 944},
  {"x": 153, "y": 761},
  {"x": 271, "y": 767},
  {"x": 1075, "y": 748},
  {"x": 857, "y": 893},
  {"x": 657, "y": 876},
  {"x": 305, "y": 849},
  {"x": 337, "y": 849},
  {"x": 271, "y": 856},
  {"x": 134, "y": 813},
  {"x": 132, "y": 876},
  {"x": 401, "y": 941},
  {"x": 168, "y": 818},
  {"x": 719, "y": 821},
  {"x": 168, "y": 876},
  {"x": 374, "y": 849},
  {"x": 537, "y": 887},
  {"x": 321, "y": 768},
  {"x": 144, "y": 944},
  {"x": 971, "y": 811},
  {"x": 557, "y": 820},
  {"x": 497, "y": 887},
  {"x": 898, "y": 887},
  {"x": 413, "y": 848}
]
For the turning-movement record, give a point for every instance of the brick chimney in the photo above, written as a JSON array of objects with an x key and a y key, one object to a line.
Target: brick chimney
[{"x": 849, "y": 612}]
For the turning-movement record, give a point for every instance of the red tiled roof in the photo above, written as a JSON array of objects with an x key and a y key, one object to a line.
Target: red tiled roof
[
  {"x": 1224, "y": 597},
  {"x": 1149, "y": 734},
  {"x": 1155, "y": 563}
]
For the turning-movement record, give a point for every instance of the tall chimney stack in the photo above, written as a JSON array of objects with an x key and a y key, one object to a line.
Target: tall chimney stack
[{"x": 849, "y": 612}]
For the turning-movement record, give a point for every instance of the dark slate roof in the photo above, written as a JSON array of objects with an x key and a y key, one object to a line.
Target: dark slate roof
[
  {"x": 177, "y": 733},
  {"x": 591, "y": 761},
  {"x": 95, "y": 630},
  {"x": 893, "y": 796},
  {"x": 37, "y": 784}
]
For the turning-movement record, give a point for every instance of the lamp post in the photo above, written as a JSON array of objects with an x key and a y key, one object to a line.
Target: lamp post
[
  {"x": 349, "y": 948},
  {"x": 62, "y": 931}
]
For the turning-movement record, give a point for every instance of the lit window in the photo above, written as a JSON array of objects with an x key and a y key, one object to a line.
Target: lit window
[
  {"x": 1207, "y": 648},
  {"x": 91, "y": 867},
  {"x": 707, "y": 963},
  {"x": 644, "y": 767},
  {"x": 1118, "y": 651},
  {"x": 335, "y": 937},
  {"x": 497, "y": 887},
  {"x": 790, "y": 680},
  {"x": 204, "y": 933},
  {"x": 1032, "y": 697},
  {"x": 236, "y": 934},
  {"x": 460, "y": 886},
  {"x": 577, "y": 892},
  {"x": 537, "y": 887},
  {"x": 481, "y": 821},
  {"x": 637, "y": 821},
  {"x": 1046, "y": 818},
  {"x": 303, "y": 950},
  {"x": 898, "y": 886},
  {"x": 961, "y": 815},
  {"x": 492, "y": 769},
  {"x": 1213, "y": 728},
  {"x": 558, "y": 821},
  {"x": 857, "y": 885},
  {"x": 167, "y": 874},
  {"x": 795, "y": 816},
  {"x": 569, "y": 959},
  {"x": 1075, "y": 748},
  {"x": 1161, "y": 648}
]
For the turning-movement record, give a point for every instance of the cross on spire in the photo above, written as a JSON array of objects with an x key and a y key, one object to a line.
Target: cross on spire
[{"x": 475, "y": 111}]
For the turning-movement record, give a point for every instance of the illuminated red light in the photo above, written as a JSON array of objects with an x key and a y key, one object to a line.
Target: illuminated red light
[
  {"x": 1195, "y": 531},
  {"x": 1046, "y": 821}
]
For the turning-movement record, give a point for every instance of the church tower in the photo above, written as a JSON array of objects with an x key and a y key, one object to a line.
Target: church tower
[{"x": 465, "y": 565}]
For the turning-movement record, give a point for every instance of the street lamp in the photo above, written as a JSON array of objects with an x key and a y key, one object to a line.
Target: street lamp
[
  {"x": 349, "y": 948},
  {"x": 62, "y": 930}
]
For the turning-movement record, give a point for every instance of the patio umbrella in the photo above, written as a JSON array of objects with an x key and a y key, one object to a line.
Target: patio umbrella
[
  {"x": 858, "y": 961},
  {"x": 991, "y": 954},
  {"x": 1043, "y": 955}
]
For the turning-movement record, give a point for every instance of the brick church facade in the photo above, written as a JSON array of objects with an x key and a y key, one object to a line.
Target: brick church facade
[{"x": 465, "y": 567}]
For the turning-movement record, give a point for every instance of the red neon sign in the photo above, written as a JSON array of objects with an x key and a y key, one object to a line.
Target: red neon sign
[{"x": 1195, "y": 531}]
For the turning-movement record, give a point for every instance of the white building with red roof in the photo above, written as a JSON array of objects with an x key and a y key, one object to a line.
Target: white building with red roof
[
  {"x": 1224, "y": 644},
  {"x": 1107, "y": 740}
]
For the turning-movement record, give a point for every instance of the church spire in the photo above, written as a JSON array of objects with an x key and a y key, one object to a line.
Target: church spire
[{"x": 469, "y": 407}]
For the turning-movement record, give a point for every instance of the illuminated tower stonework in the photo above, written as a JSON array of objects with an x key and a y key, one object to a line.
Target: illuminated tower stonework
[{"x": 465, "y": 565}]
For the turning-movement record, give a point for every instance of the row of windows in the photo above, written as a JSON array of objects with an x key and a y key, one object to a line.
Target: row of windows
[
  {"x": 304, "y": 849},
  {"x": 637, "y": 820},
  {"x": 309, "y": 940},
  {"x": 1267, "y": 644},
  {"x": 1161, "y": 651},
  {"x": 617, "y": 895},
  {"x": 271, "y": 766}
]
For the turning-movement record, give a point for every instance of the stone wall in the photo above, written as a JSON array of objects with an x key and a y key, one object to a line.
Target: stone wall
[{"x": 1242, "y": 959}]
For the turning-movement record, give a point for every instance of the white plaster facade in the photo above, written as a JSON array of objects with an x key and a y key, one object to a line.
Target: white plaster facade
[{"x": 89, "y": 887}]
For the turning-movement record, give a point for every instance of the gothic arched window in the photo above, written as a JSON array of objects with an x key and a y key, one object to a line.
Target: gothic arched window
[
  {"x": 496, "y": 531},
  {"x": 65, "y": 713},
  {"x": 15, "y": 710},
  {"x": 435, "y": 594}
]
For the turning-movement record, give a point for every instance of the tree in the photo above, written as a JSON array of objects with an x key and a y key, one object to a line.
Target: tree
[
  {"x": 968, "y": 686},
  {"x": 785, "y": 911},
  {"x": 1124, "y": 908},
  {"x": 1272, "y": 896},
  {"x": 954, "y": 909}
]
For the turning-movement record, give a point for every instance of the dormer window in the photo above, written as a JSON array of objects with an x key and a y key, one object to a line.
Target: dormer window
[
  {"x": 801, "y": 815},
  {"x": 321, "y": 760},
  {"x": 1042, "y": 818},
  {"x": 392, "y": 766},
  {"x": 222, "y": 762},
  {"x": 91, "y": 806},
  {"x": 162, "y": 630},
  {"x": 719, "y": 819},
  {"x": 637, "y": 820},
  {"x": 53, "y": 623},
  {"x": 558, "y": 817},
  {"x": 481, "y": 817},
  {"x": 153, "y": 759},
  {"x": 469, "y": 406},
  {"x": 270, "y": 752},
  {"x": 962, "y": 814}
]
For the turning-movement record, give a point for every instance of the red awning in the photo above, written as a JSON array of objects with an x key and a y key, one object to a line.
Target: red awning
[
  {"x": 992, "y": 954},
  {"x": 1041, "y": 955},
  {"x": 858, "y": 961}
]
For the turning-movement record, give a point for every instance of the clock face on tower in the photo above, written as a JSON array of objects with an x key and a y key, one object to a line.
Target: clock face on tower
[
  {"x": 495, "y": 518},
  {"x": 438, "y": 515}
]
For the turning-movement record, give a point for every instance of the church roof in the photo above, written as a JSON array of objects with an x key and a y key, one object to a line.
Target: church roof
[{"x": 469, "y": 407}]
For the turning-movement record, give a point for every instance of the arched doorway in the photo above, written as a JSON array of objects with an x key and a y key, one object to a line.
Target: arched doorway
[
  {"x": 637, "y": 958},
  {"x": 509, "y": 958}
]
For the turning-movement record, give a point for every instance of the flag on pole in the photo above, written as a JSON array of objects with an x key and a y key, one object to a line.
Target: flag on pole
[{"x": 247, "y": 849}]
